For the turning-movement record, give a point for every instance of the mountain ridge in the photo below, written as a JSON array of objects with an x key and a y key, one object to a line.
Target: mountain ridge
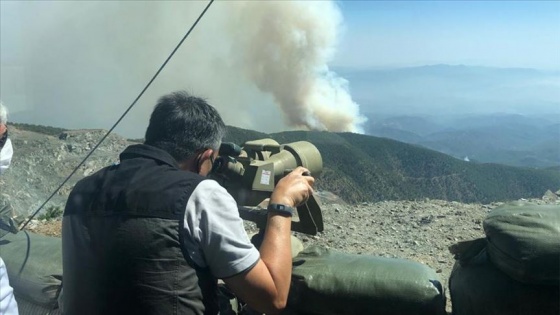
[
  {"x": 516, "y": 140},
  {"x": 357, "y": 168}
]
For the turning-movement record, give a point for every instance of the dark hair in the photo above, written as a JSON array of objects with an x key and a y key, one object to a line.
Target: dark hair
[{"x": 182, "y": 125}]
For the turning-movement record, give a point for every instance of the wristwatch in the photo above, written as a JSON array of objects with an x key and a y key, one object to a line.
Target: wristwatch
[{"x": 281, "y": 209}]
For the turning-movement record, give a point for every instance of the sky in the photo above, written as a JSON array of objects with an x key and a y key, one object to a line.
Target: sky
[
  {"x": 80, "y": 64},
  {"x": 481, "y": 33}
]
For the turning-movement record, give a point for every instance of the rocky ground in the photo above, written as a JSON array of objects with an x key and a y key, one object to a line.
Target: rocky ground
[{"x": 42, "y": 162}]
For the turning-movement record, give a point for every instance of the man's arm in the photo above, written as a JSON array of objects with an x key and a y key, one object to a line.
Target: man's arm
[{"x": 265, "y": 287}]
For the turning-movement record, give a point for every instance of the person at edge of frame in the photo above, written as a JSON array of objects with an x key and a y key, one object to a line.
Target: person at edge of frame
[
  {"x": 151, "y": 234},
  {"x": 6, "y": 150},
  {"x": 8, "y": 304}
]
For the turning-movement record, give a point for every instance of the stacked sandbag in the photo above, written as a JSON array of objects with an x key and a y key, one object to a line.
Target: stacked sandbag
[
  {"x": 34, "y": 264},
  {"x": 524, "y": 242},
  {"x": 328, "y": 282},
  {"x": 515, "y": 269}
]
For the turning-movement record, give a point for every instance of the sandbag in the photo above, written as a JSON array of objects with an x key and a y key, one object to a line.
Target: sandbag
[
  {"x": 8, "y": 220},
  {"x": 26, "y": 307},
  {"x": 327, "y": 282},
  {"x": 524, "y": 242},
  {"x": 477, "y": 287},
  {"x": 34, "y": 264}
]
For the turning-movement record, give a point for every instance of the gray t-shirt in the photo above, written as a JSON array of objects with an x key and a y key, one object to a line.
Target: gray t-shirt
[{"x": 215, "y": 236}]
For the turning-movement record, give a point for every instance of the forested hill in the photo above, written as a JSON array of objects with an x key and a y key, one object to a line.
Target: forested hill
[
  {"x": 366, "y": 168},
  {"x": 357, "y": 168}
]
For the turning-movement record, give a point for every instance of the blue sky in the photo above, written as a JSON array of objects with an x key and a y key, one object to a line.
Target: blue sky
[
  {"x": 485, "y": 33},
  {"x": 56, "y": 54}
]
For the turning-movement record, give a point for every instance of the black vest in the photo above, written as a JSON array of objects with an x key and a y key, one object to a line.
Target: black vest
[{"x": 122, "y": 231}]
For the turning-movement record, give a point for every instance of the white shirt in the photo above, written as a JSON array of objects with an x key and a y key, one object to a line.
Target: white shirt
[
  {"x": 215, "y": 236},
  {"x": 8, "y": 304},
  {"x": 6, "y": 156}
]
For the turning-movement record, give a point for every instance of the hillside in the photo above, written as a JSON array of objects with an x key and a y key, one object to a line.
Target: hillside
[
  {"x": 366, "y": 168},
  {"x": 516, "y": 140},
  {"x": 357, "y": 168}
]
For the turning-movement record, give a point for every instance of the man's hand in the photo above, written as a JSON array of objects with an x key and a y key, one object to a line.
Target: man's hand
[
  {"x": 266, "y": 286},
  {"x": 294, "y": 188}
]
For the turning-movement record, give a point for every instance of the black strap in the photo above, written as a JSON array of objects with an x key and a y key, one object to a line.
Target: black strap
[{"x": 281, "y": 209}]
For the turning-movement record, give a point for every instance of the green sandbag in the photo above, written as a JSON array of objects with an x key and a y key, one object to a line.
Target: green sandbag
[
  {"x": 327, "y": 282},
  {"x": 8, "y": 222},
  {"x": 524, "y": 242},
  {"x": 34, "y": 264},
  {"x": 477, "y": 287}
]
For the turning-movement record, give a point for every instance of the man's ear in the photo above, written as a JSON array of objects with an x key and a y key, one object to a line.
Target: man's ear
[
  {"x": 206, "y": 154},
  {"x": 201, "y": 158},
  {"x": 195, "y": 163}
]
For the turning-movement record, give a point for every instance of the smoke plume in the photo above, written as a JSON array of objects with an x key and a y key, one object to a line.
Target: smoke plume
[
  {"x": 78, "y": 64},
  {"x": 284, "y": 47}
]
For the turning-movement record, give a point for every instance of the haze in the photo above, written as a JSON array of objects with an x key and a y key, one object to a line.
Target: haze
[{"x": 80, "y": 64}]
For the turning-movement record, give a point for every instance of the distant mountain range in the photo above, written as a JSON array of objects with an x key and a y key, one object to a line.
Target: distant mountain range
[
  {"x": 510, "y": 139},
  {"x": 357, "y": 167},
  {"x": 494, "y": 115}
]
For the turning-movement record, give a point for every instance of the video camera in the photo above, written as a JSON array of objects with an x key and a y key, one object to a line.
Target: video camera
[{"x": 250, "y": 173}]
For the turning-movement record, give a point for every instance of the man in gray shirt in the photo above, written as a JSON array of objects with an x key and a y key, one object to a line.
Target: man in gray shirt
[{"x": 151, "y": 234}]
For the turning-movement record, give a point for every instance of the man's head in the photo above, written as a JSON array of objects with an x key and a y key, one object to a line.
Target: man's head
[{"x": 187, "y": 128}]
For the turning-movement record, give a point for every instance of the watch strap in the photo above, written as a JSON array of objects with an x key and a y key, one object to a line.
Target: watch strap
[{"x": 281, "y": 209}]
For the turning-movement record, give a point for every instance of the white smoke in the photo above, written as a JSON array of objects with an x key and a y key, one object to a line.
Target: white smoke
[
  {"x": 77, "y": 64},
  {"x": 284, "y": 47}
]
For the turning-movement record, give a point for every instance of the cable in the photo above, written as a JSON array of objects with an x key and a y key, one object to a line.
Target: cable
[{"x": 122, "y": 116}]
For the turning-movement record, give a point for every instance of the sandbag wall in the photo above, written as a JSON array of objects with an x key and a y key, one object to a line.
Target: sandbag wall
[
  {"x": 327, "y": 282},
  {"x": 34, "y": 264},
  {"x": 515, "y": 270}
]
